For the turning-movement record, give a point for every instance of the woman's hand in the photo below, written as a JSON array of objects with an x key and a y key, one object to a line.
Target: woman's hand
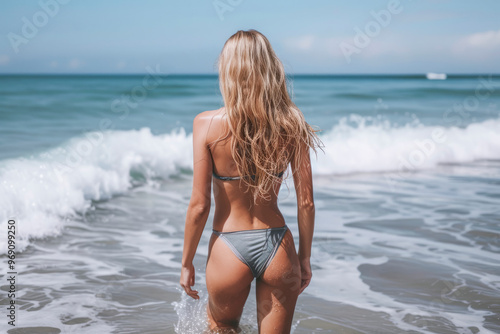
[
  {"x": 187, "y": 280},
  {"x": 305, "y": 273}
]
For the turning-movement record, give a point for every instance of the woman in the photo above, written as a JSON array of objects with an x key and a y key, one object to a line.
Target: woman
[{"x": 246, "y": 146}]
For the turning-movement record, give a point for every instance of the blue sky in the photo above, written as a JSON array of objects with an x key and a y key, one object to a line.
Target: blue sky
[{"x": 186, "y": 36}]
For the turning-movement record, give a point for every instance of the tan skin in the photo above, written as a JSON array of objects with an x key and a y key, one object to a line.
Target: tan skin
[{"x": 228, "y": 279}]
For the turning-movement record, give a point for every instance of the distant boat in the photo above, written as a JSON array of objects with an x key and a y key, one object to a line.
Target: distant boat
[{"x": 436, "y": 76}]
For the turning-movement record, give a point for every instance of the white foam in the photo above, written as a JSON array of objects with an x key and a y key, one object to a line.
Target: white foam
[
  {"x": 192, "y": 314},
  {"x": 75, "y": 306},
  {"x": 360, "y": 144},
  {"x": 42, "y": 192}
]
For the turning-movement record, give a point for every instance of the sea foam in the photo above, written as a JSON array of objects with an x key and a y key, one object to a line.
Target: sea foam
[
  {"x": 360, "y": 144},
  {"x": 42, "y": 192}
]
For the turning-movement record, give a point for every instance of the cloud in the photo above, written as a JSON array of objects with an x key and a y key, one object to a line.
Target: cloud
[
  {"x": 121, "y": 64},
  {"x": 75, "y": 63},
  {"x": 4, "y": 59},
  {"x": 305, "y": 42},
  {"x": 487, "y": 39},
  {"x": 387, "y": 44},
  {"x": 302, "y": 43},
  {"x": 481, "y": 46}
]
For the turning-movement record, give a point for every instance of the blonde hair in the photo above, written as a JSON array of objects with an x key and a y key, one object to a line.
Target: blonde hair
[{"x": 267, "y": 128}]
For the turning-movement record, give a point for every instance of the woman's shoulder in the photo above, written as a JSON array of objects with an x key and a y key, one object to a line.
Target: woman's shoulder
[
  {"x": 210, "y": 114},
  {"x": 209, "y": 122}
]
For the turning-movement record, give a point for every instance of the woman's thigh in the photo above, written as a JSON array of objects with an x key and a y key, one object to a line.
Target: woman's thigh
[
  {"x": 278, "y": 289},
  {"x": 228, "y": 284}
]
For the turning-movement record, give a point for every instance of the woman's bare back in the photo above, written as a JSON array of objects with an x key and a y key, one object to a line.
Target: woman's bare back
[{"x": 234, "y": 209}]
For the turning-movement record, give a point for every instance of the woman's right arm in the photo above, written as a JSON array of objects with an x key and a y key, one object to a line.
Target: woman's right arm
[
  {"x": 199, "y": 204},
  {"x": 302, "y": 178}
]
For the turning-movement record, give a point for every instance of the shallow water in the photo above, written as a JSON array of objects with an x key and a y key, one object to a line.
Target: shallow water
[
  {"x": 420, "y": 258},
  {"x": 396, "y": 250}
]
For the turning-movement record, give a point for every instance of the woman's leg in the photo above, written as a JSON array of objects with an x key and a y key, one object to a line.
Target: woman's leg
[
  {"x": 228, "y": 284},
  {"x": 278, "y": 289}
]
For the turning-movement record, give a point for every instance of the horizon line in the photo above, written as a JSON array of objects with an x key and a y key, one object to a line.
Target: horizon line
[{"x": 216, "y": 74}]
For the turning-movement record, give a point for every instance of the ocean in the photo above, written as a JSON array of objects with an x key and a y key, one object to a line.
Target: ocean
[{"x": 95, "y": 179}]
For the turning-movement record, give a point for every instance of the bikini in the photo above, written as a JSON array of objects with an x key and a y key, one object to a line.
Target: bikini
[{"x": 255, "y": 248}]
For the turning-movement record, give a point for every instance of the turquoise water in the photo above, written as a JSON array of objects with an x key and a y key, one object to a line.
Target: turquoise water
[
  {"x": 40, "y": 112},
  {"x": 96, "y": 171}
]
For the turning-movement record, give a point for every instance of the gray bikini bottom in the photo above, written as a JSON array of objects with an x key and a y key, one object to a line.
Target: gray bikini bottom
[{"x": 255, "y": 248}]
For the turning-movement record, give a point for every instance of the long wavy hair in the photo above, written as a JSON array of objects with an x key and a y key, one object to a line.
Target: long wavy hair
[{"x": 268, "y": 130}]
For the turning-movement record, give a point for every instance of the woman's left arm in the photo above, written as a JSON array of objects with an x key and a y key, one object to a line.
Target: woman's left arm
[{"x": 199, "y": 204}]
